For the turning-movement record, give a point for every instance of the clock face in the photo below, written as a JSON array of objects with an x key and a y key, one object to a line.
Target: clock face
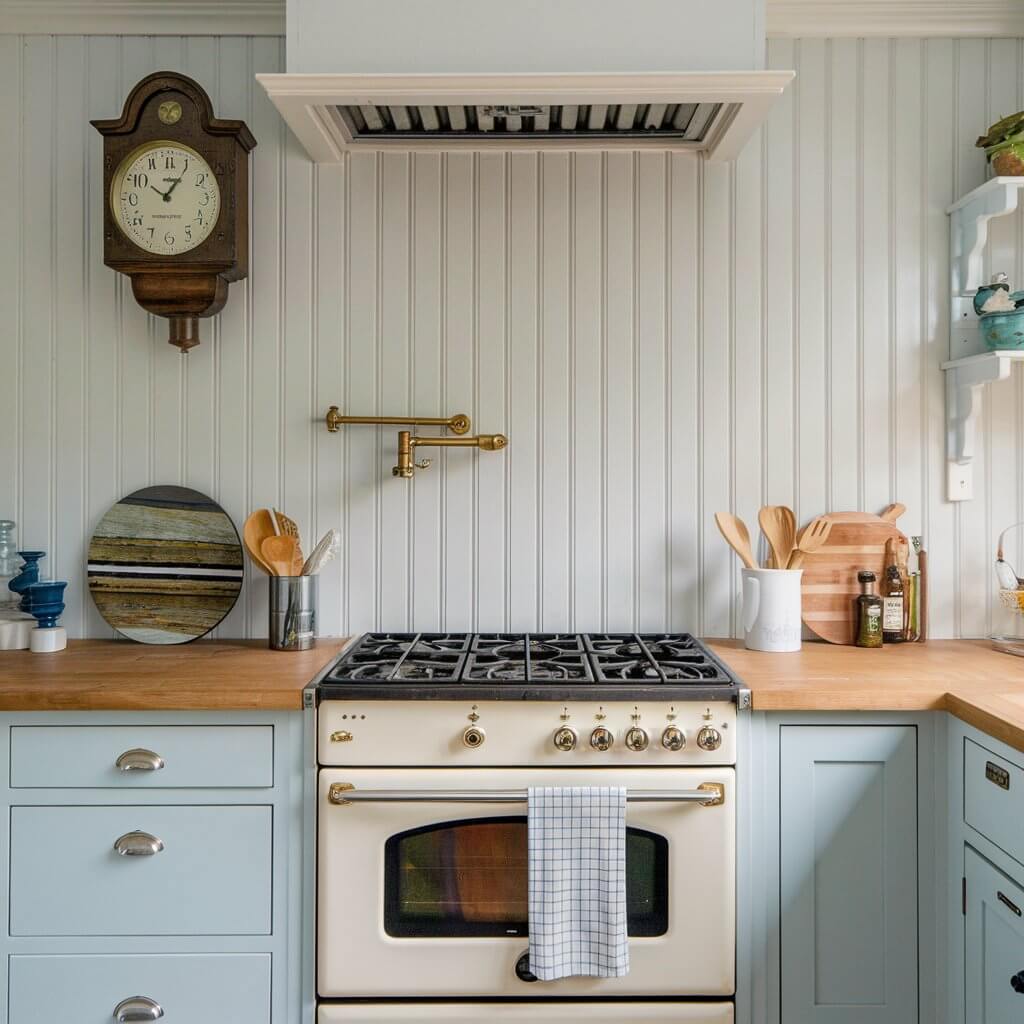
[{"x": 165, "y": 198}]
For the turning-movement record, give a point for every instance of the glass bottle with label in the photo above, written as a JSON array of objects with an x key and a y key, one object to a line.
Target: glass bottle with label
[
  {"x": 893, "y": 604},
  {"x": 869, "y": 612}
]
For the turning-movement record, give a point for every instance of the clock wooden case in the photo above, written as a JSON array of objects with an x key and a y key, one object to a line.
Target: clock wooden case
[{"x": 176, "y": 201}]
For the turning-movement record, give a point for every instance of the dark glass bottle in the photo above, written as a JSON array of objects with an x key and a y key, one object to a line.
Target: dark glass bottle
[
  {"x": 893, "y": 605},
  {"x": 869, "y": 612}
]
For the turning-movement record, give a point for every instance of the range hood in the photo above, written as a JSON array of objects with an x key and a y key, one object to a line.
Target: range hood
[{"x": 524, "y": 74}]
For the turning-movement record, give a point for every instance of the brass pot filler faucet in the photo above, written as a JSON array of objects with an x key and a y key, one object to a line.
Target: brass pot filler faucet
[{"x": 457, "y": 424}]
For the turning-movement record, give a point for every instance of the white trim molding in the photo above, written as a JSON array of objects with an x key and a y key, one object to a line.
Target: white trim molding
[
  {"x": 143, "y": 17},
  {"x": 891, "y": 18},
  {"x": 786, "y": 18}
]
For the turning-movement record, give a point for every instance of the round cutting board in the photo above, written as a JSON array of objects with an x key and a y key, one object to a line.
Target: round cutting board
[
  {"x": 829, "y": 584},
  {"x": 165, "y": 565}
]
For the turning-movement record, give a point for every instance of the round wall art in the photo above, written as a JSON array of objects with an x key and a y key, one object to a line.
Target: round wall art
[{"x": 165, "y": 565}]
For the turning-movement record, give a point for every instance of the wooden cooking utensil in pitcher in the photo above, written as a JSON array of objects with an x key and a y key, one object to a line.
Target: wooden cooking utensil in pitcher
[
  {"x": 812, "y": 537},
  {"x": 736, "y": 535},
  {"x": 778, "y": 524},
  {"x": 280, "y": 553},
  {"x": 256, "y": 529}
]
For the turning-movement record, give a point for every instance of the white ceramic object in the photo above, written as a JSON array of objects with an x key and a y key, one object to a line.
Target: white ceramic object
[
  {"x": 46, "y": 641},
  {"x": 16, "y": 629},
  {"x": 771, "y": 609}
]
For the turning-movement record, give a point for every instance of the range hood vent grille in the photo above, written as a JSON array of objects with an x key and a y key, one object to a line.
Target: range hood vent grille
[
  {"x": 712, "y": 112},
  {"x": 681, "y": 122}
]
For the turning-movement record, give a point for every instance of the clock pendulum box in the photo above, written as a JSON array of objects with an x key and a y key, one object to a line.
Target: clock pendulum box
[{"x": 170, "y": 110}]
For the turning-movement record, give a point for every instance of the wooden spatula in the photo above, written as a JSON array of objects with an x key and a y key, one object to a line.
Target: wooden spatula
[
  {"x": 256, "y": 529},
  {"x": 736, "y": 535},
  {"x": 778, "y": 524},
  {"x": 281, "y": 554},
  {"x": 812, "y": 536}
]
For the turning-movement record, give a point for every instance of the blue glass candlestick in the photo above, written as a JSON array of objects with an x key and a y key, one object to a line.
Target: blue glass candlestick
[
  {"x": 29, "y": 574},
  {"x": 46, "y": 601}
]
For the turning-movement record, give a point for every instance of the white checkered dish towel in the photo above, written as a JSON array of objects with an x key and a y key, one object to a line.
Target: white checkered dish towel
[{"x": 577, "y": 861}]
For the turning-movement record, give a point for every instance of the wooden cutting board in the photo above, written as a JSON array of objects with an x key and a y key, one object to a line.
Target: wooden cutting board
[{"x": 829, "y": 584}]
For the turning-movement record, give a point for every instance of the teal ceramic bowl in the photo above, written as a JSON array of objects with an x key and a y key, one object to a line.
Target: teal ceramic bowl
[{"x": 1003, "y": 330}]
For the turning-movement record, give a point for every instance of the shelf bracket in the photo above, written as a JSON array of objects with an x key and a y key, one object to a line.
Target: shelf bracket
[
  {"x": 969, "y": 229},
  {"x": 965, "y": 379}
]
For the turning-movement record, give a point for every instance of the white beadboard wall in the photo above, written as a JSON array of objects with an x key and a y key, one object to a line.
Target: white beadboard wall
[{"x": 658, "y": 337}]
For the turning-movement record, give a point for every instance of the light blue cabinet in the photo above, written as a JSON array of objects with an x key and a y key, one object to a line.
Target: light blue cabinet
[
  {"x": 161, "y": 855},
  {"x": 848, "y": 874},
  {"x": 994, "y": 944}
]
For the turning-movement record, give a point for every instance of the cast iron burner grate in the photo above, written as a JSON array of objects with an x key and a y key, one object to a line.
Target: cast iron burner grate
[{"x": 528, "y": 666}]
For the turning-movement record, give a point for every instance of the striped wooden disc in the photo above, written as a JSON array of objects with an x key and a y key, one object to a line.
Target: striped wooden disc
[
  {"x": 829, "y": 586},
  {"x": 165, "y": 565}
]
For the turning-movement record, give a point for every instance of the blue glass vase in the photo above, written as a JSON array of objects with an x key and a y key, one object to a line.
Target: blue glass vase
[
  {"x": 29, "y": 574},
  {"x": 46, "y": 601}
]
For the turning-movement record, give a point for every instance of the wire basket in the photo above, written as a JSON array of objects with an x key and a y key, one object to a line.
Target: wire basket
[{"x": 1011, "y": 597}]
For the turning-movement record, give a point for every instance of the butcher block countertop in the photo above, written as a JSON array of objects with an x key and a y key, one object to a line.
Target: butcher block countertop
[
  {"x": 119, "y": 675},
  {"x": 981, "y": 686}
]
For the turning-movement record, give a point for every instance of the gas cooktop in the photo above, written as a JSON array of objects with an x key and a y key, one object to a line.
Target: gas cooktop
[{"x": 528, "y": 666}]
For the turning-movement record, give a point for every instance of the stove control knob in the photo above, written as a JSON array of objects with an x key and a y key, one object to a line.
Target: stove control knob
[
  {"x": 637, "y": 738},
  {"x": 673, "y": 738},
  {"x": 474, "y": 737},
  {"x": 565, "y": 738},
  {"x": 602, "y": 738},
  {"x": 709, "y": 738}
]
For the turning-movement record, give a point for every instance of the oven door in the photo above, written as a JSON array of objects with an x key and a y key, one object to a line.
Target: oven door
[{"x": 430, "y": 898}]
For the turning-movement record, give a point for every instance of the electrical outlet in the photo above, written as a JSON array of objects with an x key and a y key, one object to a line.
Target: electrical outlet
[{"x": 959, "y": 482}]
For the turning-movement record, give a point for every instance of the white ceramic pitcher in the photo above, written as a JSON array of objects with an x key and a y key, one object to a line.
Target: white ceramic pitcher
[{"x": 771, "y": 609}]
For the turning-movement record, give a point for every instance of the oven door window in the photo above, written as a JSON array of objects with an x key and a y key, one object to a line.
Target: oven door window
[{"x": 469, "y": 879}]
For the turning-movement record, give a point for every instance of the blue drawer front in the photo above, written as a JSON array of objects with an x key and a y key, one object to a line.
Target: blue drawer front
[
  {"x": 213, "y": 876},
  {"x": 193, "y": 756},
  {"x": 205, "y": 989}
]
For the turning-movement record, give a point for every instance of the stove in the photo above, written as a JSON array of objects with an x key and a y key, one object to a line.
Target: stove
[
  {"x": 427, "y": 746},
  {"x": 529, "y": 666}
]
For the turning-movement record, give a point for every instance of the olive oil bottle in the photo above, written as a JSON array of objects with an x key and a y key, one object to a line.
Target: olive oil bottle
[
  {"x": 869, "y": 612},
  {"x": 894, "y": 599}
]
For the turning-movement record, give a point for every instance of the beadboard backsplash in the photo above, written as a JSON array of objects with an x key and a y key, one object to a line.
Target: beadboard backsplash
[{"x": 659, "y": 338}]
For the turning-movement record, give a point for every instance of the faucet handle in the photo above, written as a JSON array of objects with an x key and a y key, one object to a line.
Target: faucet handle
[{"x": 423, "y": 464}]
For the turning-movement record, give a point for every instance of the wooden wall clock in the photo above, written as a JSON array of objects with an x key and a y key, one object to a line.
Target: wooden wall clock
[{"x": 176, "y": 201}]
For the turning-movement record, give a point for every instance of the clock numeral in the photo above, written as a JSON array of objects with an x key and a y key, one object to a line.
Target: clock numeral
[
  {"x": 137, "y": 220},
  {"x": 132, "y": 197},
  {"x": 152, "y": 163},
  {"x": 199, "y": 216},
  {"x": 169, "y": 238},
  {"x": 140, "y": 179},
  {"x": 200, "y": 179},
  {"x": 151, "y": 230},
  {"x": 204, "y": 199},
  {"x": 169, "y": 165},
  {"x": 188, "y": 232}
]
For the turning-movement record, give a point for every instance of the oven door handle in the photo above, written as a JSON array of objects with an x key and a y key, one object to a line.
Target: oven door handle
[{"x": 707, "y": 794}]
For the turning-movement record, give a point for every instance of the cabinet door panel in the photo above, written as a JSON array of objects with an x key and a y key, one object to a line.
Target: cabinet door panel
[
  {"x": 994, "y": 945},
  {"x": 849, "y": 874}
]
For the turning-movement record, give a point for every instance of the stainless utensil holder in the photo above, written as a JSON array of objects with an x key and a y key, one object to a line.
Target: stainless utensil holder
[{"x": 293, "y": 601}]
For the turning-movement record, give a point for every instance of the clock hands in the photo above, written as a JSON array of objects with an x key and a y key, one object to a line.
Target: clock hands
[{"x": 174, "y": 185}]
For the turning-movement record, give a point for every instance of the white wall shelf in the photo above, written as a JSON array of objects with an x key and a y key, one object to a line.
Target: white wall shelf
[{"x": 971, "y": 365}]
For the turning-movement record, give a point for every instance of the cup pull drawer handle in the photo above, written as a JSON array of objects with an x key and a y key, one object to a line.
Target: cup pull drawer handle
[
  {"x": 1017, "y": 983},
  {"x": 138, "y": 759},
  {"x": 137, "y": 1008},
  {"x": 138, "y": 844}
]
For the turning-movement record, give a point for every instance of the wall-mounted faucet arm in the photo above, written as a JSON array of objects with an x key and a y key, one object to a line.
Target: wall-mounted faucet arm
[{"x": 406, "y": 442}]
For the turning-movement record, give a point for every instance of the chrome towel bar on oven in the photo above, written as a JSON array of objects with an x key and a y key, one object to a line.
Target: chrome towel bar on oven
[{"x": 708, "y": 794}]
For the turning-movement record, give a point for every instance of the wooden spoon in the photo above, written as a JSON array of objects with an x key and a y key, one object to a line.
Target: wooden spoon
[
  {"x": 779, "y": 525},
  {"x": 256, "y": 529},
  {"x": 892, "y": 512},
  {"x": 812, "y": 537},
  {"x": 736, "y": 535},
  {"x": 280, "y": 554},
  {"x": 289, "y": 528}
]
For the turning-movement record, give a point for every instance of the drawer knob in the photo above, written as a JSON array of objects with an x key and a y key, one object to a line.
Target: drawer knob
[
  {"x": 138, "y": 844},
  {"x": 138, "y": 759},
  {"x": 1017, "y": 983},
  {"x": 137, "y": 1008}
]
